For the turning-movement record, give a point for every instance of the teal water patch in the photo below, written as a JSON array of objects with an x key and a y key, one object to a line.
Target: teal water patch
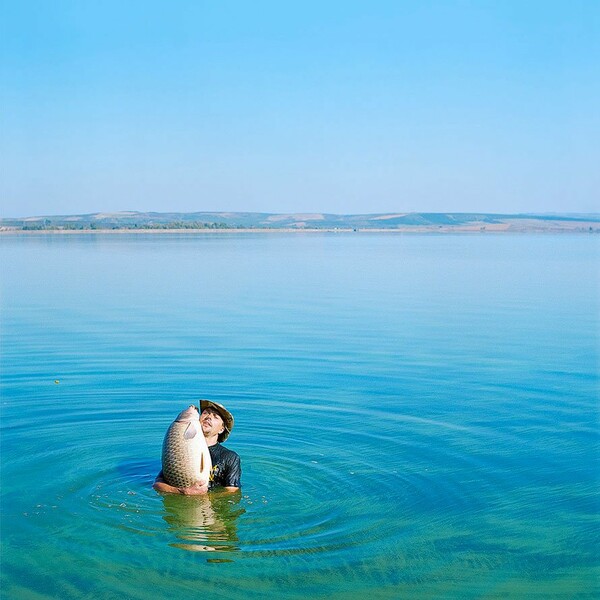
[{"x": 416, "y": 416}]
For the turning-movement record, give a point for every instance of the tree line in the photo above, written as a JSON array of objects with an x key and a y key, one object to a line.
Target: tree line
[{"x": 47, "y": 225}]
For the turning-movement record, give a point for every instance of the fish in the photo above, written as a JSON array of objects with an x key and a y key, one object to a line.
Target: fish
[{"x": 185, "y": 456}]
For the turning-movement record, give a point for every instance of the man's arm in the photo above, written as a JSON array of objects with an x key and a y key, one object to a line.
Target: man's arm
[
  {"x": 234, "y": 475},
  {"x": 160, "y": 485}
]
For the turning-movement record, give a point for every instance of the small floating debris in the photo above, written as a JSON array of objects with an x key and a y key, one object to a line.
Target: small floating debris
[{"x": 57, "y": 381}]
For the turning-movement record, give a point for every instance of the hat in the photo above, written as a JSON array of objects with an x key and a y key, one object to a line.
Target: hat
[{"x": 225, "y": 415}]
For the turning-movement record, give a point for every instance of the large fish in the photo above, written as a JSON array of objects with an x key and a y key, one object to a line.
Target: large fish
[{"x": 185, "y": 456}]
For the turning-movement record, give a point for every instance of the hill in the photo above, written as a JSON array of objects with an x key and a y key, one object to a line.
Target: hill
[{"x": 404, "y": 222}]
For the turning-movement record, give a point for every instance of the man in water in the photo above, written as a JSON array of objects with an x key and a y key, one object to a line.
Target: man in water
[{"x": 216, "y": 422}]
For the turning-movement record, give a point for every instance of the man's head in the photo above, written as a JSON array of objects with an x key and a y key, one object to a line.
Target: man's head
[{"x": 215, "y": 420}]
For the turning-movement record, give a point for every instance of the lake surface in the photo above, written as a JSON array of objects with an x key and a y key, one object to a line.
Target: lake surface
[{"x": 417, "y": 415}]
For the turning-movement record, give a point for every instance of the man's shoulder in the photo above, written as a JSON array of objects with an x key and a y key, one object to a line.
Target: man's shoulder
[
  {"x": 231, "y": 454},
  {"x": 223, "y": 452}
]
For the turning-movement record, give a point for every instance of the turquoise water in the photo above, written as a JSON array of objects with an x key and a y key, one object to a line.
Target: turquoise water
[{"x": 417, "y": 416}]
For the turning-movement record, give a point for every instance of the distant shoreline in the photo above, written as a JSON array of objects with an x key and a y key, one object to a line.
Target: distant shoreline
[
  {"x": 269, "y": 223},
  {"x": 574, "y": 228}
]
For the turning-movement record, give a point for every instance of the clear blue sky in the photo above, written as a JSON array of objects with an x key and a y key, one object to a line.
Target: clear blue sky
[{"x": 284, "y": 106}]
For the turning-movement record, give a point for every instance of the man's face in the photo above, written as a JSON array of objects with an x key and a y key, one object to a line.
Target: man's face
[{"x": 211, "y": 422}]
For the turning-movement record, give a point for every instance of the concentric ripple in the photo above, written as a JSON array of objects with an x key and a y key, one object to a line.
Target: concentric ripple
[{"x": 416, "y": 417}]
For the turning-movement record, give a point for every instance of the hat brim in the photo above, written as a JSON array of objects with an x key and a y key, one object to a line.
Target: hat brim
[{"x": 225, "y": 415}]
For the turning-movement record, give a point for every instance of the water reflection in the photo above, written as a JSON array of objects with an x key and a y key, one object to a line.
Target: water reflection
[{"x": 205, "y": 523}]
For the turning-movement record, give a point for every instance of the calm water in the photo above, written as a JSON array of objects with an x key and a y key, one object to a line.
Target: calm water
[{"x": 417, "y": 416}]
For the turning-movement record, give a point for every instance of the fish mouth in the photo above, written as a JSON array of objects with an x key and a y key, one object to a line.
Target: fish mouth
[{"x": 188, "y": 413}]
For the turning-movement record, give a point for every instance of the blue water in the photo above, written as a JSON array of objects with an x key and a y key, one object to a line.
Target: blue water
[{"x": 417, "y": 415}]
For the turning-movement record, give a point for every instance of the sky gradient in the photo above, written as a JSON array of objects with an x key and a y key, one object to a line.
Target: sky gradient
[{"x": 270, "y": 106}]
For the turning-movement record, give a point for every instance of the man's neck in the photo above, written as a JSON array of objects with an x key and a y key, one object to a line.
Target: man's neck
[{"x": 212, "y": 441}]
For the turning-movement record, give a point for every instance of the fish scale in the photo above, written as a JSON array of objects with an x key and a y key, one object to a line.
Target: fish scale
[{"x": 185, "y": 455}]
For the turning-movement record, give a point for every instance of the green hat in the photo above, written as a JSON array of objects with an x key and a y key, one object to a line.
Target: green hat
[{"x": 225, "y": 415}]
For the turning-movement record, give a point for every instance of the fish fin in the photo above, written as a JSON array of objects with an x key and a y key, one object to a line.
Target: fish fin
[
  {"x": 205, "y": 464},
  {"x": 190, "y": 431}
]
